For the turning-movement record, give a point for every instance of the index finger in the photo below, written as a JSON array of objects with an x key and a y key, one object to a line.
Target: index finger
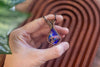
[{"x": 36, "y": 24}]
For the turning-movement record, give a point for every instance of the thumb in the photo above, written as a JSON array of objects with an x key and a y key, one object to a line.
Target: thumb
[{"x": 55, "y": 52}]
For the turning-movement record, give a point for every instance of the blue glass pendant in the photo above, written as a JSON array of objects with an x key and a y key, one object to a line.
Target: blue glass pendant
[{"x": 54, "y": 38}]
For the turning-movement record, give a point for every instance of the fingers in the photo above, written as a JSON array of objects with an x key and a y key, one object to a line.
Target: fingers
[
  {"x": 36, "y": 24},
  {"x": 40, "y": 56},
  {"x": 54, "y": 52},
  {"x": 45, "y": 31},
  {"x": 62, "y": 30}
]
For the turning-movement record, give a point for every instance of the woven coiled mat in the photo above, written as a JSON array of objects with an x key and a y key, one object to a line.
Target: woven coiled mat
[{"x": 82, "y": 17}]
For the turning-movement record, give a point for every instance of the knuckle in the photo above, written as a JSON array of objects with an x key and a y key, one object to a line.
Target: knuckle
[
  {"x": 39, "y": 21},
  {"x": 15, "y": 33}
]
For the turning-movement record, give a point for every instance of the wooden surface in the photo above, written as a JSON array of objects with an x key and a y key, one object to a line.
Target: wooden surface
[
  {"x": 96, "y": 62},
  {"x": 82, "y": 17},
  {"x": 2, "y": 57}
]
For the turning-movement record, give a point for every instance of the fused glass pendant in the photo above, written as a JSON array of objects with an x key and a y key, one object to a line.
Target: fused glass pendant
[{"x": 54, "y": 38}]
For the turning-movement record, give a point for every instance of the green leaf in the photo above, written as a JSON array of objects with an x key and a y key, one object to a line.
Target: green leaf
[
  {"x": 8, "y": 21},
  {"x": 12, "y": 2}
]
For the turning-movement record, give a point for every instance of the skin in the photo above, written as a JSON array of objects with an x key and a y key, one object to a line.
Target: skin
[
  {"x": 23, "y": 7},
  {"x": 23, "y": 42}
]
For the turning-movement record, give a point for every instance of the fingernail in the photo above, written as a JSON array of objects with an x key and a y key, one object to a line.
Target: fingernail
[
  {"x": 67, "y": 30},
  {"x": 60, "y": 16},
  {"x": 65, "y": 45},
  {"x": 62, "y": 47}
]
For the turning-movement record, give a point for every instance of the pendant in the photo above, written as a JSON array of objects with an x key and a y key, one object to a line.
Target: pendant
[{"x": 54, "y": 38}]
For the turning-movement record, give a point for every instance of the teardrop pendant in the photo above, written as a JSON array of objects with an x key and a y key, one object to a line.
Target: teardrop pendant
[{"x": 54, "y": 38}]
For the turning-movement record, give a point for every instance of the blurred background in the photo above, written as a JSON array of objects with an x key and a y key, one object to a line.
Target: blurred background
[{"x": 23, "y": 7}]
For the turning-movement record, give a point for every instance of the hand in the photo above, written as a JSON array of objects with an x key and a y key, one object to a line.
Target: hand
[{"x": 23, "y": 41}]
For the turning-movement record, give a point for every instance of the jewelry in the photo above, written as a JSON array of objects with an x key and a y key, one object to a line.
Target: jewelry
[{"x": 53, "y": 38}]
